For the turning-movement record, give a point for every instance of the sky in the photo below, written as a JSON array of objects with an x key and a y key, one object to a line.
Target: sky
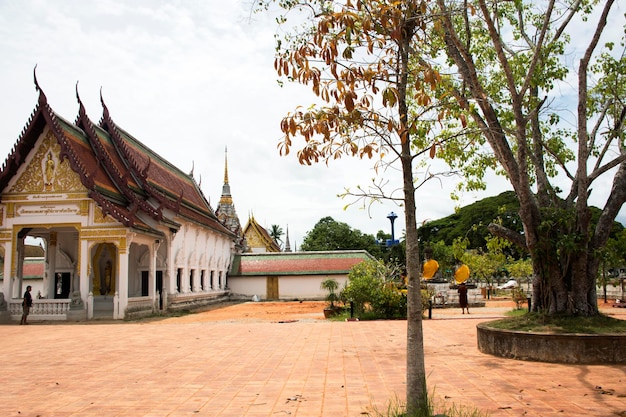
[{"x": 190, "y": 79}]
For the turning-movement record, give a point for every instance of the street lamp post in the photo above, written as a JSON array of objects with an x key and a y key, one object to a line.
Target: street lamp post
[{"x": 392, "y": 218}]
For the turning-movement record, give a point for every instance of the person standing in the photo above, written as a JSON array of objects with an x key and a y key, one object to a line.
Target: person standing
[
  {"x": 27, "y": 303},
  {"x": 463, "y": 297}
]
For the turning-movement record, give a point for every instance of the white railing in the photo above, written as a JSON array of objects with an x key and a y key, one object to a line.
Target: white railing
[{"x": 42, "y": 309}]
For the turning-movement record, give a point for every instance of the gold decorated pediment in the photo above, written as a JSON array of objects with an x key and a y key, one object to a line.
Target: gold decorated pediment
[
  {"x": 99, "y": 217},
  {"x": 46, "y": 173}
]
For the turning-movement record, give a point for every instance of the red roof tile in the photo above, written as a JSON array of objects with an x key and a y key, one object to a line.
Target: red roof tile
[{"x": 297, "y": 263}]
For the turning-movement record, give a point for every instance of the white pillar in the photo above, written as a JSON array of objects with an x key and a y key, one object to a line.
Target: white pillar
[
  {"x": 49, "y": 290},
  {"x": 154, "y": 248},
  {"x": 6, "y": 283},
  {"x": 122, "y": 279},
  {"x": 86, "y": 270},
  {"x": 19, "y": 270},
  {"x": 90, "y": 306}
]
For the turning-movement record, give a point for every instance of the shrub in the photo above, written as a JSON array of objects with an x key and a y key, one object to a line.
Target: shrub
[
  {"x": 389, "y": 302},
  {"x": 364, "y": 281},
  {"x": 519, "y": 296},
  {"x": 374, "y": 292}
]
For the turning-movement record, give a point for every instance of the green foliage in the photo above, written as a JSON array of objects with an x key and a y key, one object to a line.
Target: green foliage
[
  {"x": 521, "y": 268},
  {"x": 364, "y": 280},
  {"x": 389, "y": 302},
  {"x": 519, "y": 297},
  {"x": 331, "y": 286},
  {"x": 427, "y": 292},
  {"x": 373, "y": 288},
  {"x": 471, "y": 221},
  {"x": 329, "y": 235}
]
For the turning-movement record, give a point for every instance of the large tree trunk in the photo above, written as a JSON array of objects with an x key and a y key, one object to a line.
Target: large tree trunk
[{"x": 564, "y": 266}]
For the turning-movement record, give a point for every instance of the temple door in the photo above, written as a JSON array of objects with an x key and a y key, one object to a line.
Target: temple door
[{"x": 272, "y": 288}]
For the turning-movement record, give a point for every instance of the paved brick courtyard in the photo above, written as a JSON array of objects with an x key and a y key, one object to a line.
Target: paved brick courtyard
[{"x": 229, "y": 366}]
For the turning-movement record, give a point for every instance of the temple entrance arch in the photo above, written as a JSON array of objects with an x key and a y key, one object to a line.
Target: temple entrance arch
[
  {"x": 47, "y": 257},
  {"x": 104, "y": 263}
]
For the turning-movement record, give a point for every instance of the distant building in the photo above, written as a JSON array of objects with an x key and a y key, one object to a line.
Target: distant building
[{"x": 290, "y": 276}]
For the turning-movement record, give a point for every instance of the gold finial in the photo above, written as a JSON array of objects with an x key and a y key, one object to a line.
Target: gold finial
[{"x": 226, "y": 165}]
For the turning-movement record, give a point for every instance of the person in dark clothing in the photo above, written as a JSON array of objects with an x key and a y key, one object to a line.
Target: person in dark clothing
[
  {"x": 463, "y": 297},
  {"x": 27, "y": 303}
]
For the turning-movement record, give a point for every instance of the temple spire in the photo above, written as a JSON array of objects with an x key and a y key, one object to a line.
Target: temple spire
[
  {"x": 226, "y": 197},
  {"x": 226, "y": 212},
  {"x": 287, "y": 245}
]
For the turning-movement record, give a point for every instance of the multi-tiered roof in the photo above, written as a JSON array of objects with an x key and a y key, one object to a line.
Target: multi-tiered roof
[{"x": 125, "y": 178}]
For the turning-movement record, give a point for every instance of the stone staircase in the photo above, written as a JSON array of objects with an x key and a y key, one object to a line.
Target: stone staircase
[{"x": 103, "y": 307}]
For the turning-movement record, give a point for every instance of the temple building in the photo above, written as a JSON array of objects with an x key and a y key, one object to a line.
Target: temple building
[
  {"x": 258, "y": 239},
  {"x": 125, "y": 233}
]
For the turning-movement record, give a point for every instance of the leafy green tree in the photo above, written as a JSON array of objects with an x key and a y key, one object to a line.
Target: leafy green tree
[
  {"x": 520, "y": 269},
  {"x": 329, "y": 234},
  {"x": 510, "y": 60}
]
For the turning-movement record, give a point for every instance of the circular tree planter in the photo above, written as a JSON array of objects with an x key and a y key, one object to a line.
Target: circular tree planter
[{"x": 556, "y": 348}]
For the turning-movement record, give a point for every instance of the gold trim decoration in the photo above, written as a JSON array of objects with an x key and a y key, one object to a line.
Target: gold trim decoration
[
  {"x": 10, "y": 210},
  {"x": 99, "y": 217},
  {"x": 46, "y": 173},
  {"x": 123, "y": 249},
  {"x": 84, "y": 207},
  {"x": 102, "y": 234}
]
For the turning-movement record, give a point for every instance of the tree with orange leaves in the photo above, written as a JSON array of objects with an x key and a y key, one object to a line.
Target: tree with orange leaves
[{"x": 365, "y": 61}]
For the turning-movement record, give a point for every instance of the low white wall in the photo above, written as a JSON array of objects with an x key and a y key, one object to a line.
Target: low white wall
[{"x": 291, "y": 287}]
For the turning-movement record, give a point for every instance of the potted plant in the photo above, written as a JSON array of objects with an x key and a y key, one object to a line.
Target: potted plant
[{"x": 330, "y": 285}]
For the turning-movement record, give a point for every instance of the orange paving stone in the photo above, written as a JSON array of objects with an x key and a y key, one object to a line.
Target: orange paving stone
[{"x": 231, "y": 367}]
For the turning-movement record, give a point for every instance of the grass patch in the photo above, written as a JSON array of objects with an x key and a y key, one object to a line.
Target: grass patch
[
  {"x": 516, "y": 312},
  {"x": 397, "y": 408},
  {"x": 543, "y": 323}
]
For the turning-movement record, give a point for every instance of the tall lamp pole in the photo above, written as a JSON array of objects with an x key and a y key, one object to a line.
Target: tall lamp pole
[{"x": 392, "y": 218}]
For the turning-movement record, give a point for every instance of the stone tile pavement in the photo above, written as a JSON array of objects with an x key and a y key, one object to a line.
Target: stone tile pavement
[{"x": 304, "y": 368}]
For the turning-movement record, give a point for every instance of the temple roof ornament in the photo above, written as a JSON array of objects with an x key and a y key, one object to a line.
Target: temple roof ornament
[{"x": 226, "y": 212}]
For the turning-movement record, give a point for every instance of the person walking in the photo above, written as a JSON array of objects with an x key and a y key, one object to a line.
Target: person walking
[{"x": 27, "y": 303}]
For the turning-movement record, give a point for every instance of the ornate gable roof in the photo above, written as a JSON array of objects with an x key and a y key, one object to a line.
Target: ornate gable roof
[
  {"x": 125, "y": 178},
  {"x": 258, "y": 237}
]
